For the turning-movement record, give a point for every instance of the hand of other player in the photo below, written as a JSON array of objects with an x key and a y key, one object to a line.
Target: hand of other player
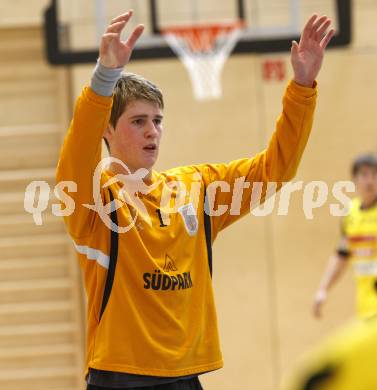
[
  {"x": 319, "y": 300},
  {"x": 113, "y": 52},
  {"x": 307, "y": 56}
]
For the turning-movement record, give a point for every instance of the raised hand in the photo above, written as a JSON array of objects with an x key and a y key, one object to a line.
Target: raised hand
[
  {"x": 307, "y": 56},
  {"x": 113, "y": 52}
]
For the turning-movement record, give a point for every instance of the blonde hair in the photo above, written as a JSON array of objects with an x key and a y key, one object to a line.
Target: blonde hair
[{"x": 131, "y": 87}]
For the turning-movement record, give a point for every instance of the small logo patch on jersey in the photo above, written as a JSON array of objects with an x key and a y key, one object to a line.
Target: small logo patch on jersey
[
  {"x": 169, "y": 264},
  {"x": 190, "y": 219}
]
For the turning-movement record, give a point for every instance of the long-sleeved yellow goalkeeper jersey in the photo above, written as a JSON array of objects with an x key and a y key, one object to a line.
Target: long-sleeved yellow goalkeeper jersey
[{"x": 160, "y": 319}]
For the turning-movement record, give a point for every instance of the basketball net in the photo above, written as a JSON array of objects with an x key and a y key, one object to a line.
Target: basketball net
[{"x": 203, "y": 50}]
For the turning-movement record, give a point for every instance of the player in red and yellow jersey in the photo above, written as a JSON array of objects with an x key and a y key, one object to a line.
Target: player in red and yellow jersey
[
  {"x": 359, "y": 242},
  {"x": 147, "y": 262}
]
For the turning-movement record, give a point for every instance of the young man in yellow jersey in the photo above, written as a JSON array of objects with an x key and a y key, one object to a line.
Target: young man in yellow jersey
[
  {"x": 151, "y": 314},
  {"x": 358, "y": 243}
]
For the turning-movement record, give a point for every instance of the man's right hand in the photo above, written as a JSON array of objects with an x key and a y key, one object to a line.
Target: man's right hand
[
  {"x": 319, "y": 300},
  {"x": 114, "y": 53}
]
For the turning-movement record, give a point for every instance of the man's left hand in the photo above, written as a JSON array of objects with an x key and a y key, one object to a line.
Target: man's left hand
[{"x": 307, "y": 56}]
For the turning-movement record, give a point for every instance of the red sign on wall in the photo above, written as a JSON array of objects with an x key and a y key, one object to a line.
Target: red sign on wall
[{"x": 273, "y": 70}]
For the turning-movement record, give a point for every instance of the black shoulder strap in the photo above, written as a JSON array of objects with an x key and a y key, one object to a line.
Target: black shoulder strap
[
  {"x": 112, "y": 260},
  {"x": 208, "y": 231}
]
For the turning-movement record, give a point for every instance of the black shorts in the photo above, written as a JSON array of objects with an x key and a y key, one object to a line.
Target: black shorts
[{"x": 188, "y": 384}]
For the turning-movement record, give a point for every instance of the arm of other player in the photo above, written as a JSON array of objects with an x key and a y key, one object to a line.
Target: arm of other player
[{"x": 335, "y": 269}]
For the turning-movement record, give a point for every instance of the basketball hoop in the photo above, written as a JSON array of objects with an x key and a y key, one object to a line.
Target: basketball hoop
[{"x": 203, "y": 49}]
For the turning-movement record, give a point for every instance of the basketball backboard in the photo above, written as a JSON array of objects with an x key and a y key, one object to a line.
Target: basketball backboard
[{"x": 73, "y": 27}]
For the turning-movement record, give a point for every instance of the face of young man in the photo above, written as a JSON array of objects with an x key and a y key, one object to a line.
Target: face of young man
[
  {"x": 366, "y": 184},
  {"x": 136, "y": 137}
]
